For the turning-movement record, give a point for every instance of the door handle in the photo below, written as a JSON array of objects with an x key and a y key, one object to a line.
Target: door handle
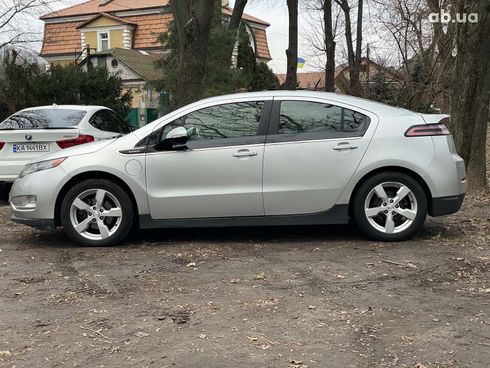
[
  {"x": 244, "y": 153},
  {"x": 344, "y": 146}
]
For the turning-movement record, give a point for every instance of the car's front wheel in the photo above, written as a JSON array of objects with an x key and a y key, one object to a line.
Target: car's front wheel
[
  {"x": 97, "y": 213},
  {"x": 390, "y": 206}
]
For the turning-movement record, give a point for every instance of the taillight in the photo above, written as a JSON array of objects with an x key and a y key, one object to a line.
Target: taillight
[
  {"x": 425, "y": 130},
  {"x": 1, "y": 145},
  {"x": 82, "y": 138}
]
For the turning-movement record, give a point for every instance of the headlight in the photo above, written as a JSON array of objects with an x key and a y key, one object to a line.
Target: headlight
[{"x": 40, "y": 166}]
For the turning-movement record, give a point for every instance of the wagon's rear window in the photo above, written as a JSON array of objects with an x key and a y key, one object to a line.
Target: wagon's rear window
[{"x": 43, "y": 119}]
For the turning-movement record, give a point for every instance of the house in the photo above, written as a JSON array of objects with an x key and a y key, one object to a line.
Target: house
[
  {"x": 315, "y": 81},
  {"x": 123, "y": 35}
]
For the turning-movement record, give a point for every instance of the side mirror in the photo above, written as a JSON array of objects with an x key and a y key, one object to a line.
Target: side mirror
[{"x": 174, "y": 141}]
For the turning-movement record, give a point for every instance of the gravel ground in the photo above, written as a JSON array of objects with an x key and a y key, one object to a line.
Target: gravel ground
[{"x": 252, "y": 297}]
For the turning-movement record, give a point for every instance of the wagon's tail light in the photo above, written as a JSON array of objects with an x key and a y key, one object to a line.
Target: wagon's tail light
[
  {"x": 425, "y": 130},
  {"x": 82, "y": 138},
  {"x": 1, "y": 145}
]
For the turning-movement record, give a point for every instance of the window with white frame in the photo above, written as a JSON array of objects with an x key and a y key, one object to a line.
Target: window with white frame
[{"x": 104, "y": 43}]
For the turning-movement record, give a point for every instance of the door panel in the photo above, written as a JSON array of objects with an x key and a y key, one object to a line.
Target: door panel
[
  {"x": 208, "y": 182},
  {"x": 221, "y": 173},
  {"x": 305, "y": 171}
]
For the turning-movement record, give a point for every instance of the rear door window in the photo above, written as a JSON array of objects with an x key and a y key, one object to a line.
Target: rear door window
[
  {"x": 299, "y": 120},
  {"x": 43, "y": 119},
  {"x": 109, "y": 121}
]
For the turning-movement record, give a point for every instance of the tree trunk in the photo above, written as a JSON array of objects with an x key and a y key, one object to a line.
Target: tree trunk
[
  {"x": 292, "y": 51},
  {"x": 236, "y": 17},
  {"x": 471, "y": 92},
  {"x": 233, "y": 27},
  {"x": 354, "y": 82},
  {"x": 193, "y": 25},
  {"x": 329, "y": 47},
  {"x": 344, "y": 5}
]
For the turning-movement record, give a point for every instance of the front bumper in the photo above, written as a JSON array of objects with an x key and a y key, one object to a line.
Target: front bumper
[
  {"x": 441, "y": 206},
  {"x": 40, "y": 224},
  {"x": 42, "y": 188}
]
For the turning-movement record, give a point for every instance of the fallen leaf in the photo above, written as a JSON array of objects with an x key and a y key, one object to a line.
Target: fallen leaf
[
  {"x": 260, "y": 276},
  {"x": 191, "y": 264},
  {"x": 202, "y": 336},
  {"x": 252, "y": 338}
]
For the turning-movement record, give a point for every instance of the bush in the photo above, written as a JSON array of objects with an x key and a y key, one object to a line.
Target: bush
[{"x": 25, "y": 85}]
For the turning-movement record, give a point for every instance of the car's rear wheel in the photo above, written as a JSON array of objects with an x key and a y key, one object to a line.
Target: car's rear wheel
[
  {"x": 97, "y": 213},
  {"x": 390, "y": 206}
]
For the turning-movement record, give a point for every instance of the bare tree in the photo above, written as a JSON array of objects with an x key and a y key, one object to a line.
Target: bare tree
[
  {"x": 15, "y": 20},
  {"x": 292, "y": 51},
  {"x": 193, "y": 20},
  {"x": 353, "y": 56}
]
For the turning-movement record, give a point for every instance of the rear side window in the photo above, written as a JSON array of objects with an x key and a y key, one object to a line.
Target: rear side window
[
  {"x": 43, "y": 119},
  {"x": 109, "y": 121},
  {"x": 232, "y": 120},
  {"x": 313, "y": 117}
]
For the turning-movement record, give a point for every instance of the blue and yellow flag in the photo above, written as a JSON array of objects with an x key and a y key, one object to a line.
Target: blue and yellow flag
[{"x": 301, "y": 63}]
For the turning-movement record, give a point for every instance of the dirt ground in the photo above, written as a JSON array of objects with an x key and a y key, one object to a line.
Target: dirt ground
[{"x": 252, "y": 297}]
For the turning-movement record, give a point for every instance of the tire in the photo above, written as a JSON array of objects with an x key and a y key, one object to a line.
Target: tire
[
  {"x": 390, "y": 206},
  {"x": 97, "y": 213}
]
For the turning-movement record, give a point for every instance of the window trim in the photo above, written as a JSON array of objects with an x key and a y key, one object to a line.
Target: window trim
[
  {"x": 274, "y": 137},
  {"x": 99, "y": 40},
  {"x": 260, "y": 138}
]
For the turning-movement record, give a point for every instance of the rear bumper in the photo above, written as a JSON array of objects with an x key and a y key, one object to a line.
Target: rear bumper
[
  {"x": 445, "y": 205},
  {"x": 40, "y": 224}
]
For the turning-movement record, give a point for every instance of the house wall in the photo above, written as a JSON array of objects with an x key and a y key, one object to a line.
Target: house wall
[
  {"x": 91, "y": 39},
  {"x": 103, "y": 22},
  {"x": 116, "y": 38}
]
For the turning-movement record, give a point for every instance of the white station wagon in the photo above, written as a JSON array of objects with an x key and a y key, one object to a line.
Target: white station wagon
[{"x": 34, "y": 132}]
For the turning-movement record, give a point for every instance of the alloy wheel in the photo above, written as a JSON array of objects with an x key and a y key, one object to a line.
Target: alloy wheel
[
  {"x": 96, "y": 214},
  {"x": 390, "y": 207}
]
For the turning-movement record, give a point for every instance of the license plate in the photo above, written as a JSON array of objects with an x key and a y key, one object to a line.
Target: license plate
[{"x": 34, "y": 147}]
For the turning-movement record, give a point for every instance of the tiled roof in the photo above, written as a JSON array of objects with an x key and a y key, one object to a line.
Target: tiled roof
[
  {"x": 262, "y": 47},
  {"x": 61, "y": 38},
  {"x": 149, "y": 28},
  {"x": 94, "y": 6},
  {"x": 141, "y": 63}
]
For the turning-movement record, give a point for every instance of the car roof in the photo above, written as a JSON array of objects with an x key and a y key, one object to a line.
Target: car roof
[
  {"x": 86, "y": 108},
  {"x": 369, "y": 105}
]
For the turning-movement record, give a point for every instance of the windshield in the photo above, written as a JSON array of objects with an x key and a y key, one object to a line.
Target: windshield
[{"x": 53, "y": 118}]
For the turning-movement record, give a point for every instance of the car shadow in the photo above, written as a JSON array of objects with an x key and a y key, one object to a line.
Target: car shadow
[{"x": 275, "y": 234}]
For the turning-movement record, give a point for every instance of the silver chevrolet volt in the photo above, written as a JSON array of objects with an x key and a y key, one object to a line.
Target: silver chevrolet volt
[{"x": 266, "y": 158}]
